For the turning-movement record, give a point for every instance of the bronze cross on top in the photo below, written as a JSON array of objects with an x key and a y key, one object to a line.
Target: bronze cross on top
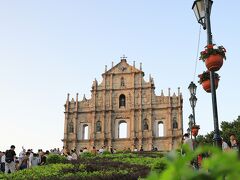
[{"x": 124, "y": 57}]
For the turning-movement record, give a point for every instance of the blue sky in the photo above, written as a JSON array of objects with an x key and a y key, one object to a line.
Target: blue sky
[{"x": 51, "y": 48}]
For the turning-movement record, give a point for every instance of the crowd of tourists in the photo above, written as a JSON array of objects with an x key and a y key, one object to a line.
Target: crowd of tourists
[{"x": 10, "y": 162}]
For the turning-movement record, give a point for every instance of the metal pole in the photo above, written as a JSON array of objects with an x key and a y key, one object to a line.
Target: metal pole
[
  {"x": 194, "y": 122},
  {"x": 217, "y": 139},
  {"x": 193, "y": 110}
]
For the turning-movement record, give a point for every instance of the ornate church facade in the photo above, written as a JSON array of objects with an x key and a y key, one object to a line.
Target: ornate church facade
[{"x": 124, "y": 112}]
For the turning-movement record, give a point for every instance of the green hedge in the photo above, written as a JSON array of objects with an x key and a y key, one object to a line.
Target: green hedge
[{"x": 54, "y": 159}]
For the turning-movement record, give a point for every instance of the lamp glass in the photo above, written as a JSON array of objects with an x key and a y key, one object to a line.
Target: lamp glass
[
  {"x": 193, "y": 101},
  {"x": 190, "y": 120},
  {"x": 192, "y": 88}
]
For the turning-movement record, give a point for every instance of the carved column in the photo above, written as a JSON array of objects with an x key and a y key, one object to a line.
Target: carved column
[
  {"x": 65, "y": 139},
  {"x": 75, "y": 122}
]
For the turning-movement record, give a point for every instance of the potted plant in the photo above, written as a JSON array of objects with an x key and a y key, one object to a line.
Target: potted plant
[
  {"x": 195, "y": 129},
  {"x": 204, "y": 79},
  {"x": 213, "y": 57}
]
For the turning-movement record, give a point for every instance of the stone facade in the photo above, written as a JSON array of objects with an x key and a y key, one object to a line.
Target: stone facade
[{"x": 124, "y": 96}]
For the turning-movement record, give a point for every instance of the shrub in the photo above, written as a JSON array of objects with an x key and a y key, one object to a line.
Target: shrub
[
  {"x": 55, "y": 158},
  {"x": 220, "y": 165},
  {"x": 106, "y": 152},
  {"x": 87, "y": 155},
  {"x": 160, "y": 165}
]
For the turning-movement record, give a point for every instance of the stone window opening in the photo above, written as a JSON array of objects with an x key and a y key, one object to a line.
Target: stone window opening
[
  {"x": 70, "y": 127},
  {"x": 85, "y": 132},
  {"x": 122, "y": 101},
  {"x": 122, "y": 129}
]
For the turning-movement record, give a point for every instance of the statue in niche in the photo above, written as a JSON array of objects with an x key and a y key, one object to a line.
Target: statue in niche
[
  {"x": 145, "y": 125},
  {"x": 70, "y": 127},
  {"x": 175, "y": 124},
  {"x": 98, "y": 126}
]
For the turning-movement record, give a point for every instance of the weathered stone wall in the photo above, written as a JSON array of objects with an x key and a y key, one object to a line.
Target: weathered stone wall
[{"x": 144, "y": 112}]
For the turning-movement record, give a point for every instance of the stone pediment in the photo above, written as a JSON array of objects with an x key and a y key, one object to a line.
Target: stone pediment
[{"x": 122, "y": 67}]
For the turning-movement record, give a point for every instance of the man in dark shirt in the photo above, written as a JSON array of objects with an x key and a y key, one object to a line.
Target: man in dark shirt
[{"x": 9, "y": 160}]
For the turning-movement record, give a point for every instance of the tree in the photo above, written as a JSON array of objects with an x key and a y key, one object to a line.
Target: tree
[{"x": 228, "y": 128}]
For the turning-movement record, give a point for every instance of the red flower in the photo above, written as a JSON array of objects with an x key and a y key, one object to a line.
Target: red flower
[{"x": 210, "y": 46}]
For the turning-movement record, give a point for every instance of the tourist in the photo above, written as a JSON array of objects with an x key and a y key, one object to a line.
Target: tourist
[
  {"x": 74, "y": 154},
  {"x": 225, "y": 146},
  {"x": 85, "y": 149},
  {"x": 9, "y": 160},
  {"x": 25, "y": 161},
  {"x": 80, "y": 152},
  {"x": 101, "y": 150},
  {"x": 35, "y": 160},
  {"x": 2, "y": 160},
  {"x": 22, "y": 154},
  {"x": 30, "y": 157},
  {"x": 188, "y": 141},
  {"x": 111, "y": 149},
  {"x": 234, "y": 144},
  {"x": 69, "y": 157},
  {"x": 135, "y": 149},
  {"x": 94, "y": 151},
  {"x": 44, "y": 157}
]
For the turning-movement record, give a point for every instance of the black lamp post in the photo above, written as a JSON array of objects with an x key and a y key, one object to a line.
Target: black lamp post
[
  {"x": 202, "y": 10},
  {"x": 193, "y": 100}
]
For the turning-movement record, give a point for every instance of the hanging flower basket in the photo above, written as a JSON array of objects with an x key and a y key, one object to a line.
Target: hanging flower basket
[
  {"x": 205, "y": 80},
  {"x": 213, "y": 57},
  {"x": 195, "y": 129}
]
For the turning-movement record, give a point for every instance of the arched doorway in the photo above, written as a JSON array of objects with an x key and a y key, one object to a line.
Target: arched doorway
[
  {"x": 160, "y": 129},
  {"x": 85, "y": 132},
  {"x": 122, "y": 129}
]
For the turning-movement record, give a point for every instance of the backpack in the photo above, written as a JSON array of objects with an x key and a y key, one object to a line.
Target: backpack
[{"x": 9, "y": 156}]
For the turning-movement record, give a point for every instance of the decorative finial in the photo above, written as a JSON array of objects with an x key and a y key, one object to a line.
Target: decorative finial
[
  {"x": 84, "y": 98},
  {"x": 105, "y": 68},
  {"x": 123, "y": 58},
  {"x": 162, "y": 93},
  {"x": 133, "y": 63},
  {"x": 112, "y": 64},
  {"x": 68, "y": 97},
  {"x": 140, "y": 66}
]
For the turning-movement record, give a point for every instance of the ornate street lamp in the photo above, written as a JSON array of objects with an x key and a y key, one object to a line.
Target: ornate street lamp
[
  {"x": 199, "y": 11},
  {"x": 202, "y": 10},
  {"x": 192, "y": 88},
  {"x": 193, "y": 100}
]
